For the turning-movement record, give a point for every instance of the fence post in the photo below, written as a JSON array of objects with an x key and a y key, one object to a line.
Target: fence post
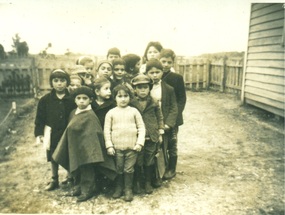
[
  {"x": 223, "y": 76},
  {"x": 208, "y": 70}
]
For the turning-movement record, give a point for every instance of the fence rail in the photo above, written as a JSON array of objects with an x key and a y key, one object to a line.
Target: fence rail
[
  {"x": 26, "y": 76},
  {"x": 224, "y": 75}
]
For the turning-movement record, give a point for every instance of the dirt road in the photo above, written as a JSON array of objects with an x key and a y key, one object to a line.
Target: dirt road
[{"x": 231, "y": 161}]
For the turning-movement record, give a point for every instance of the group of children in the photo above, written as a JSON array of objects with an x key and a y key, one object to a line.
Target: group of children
[{"x": 115, "y": 129}]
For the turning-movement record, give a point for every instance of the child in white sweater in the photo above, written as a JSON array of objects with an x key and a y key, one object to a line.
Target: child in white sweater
[{"x": 124, "y": 133}]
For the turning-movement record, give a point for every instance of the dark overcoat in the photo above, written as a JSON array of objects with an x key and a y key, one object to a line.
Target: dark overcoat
[
  {"x": 83, "y": 143},
  {"x": 152, "y": 117},
  {"x": 168, "y": 104},
  {"x": 176, "y": 81},
  {"x": 53, "y": 112},
  {"x": 102, "y": 110}
]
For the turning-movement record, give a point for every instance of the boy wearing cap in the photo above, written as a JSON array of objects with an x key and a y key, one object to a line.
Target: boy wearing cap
[
  {"x": 85, "y": 67},
  {"x": 52, "y": 116},
  {"x": 167, "y": 57},
  {"x": 165, "y": 95},
  {"x": 113, "y": 53},
  {"x": 81, "y": 148},
  {"x": 153, "y": 119}
]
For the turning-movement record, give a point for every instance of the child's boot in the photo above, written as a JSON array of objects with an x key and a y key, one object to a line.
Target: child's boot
[
  {"x": 119, "y": 187},
  {"x": 128, "y": 177},
  {"x": 148, "y": 176},
  {"x": 53, "y": 184},
  {"x": 171, "y": 172},
  {"x": 137, "y": 180}
]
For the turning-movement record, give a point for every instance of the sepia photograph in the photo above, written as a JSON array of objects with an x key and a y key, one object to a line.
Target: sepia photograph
[{"x": 142, "y": 107}]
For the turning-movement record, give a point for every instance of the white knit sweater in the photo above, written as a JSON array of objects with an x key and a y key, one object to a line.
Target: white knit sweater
[{"x": 124, "y": 128}]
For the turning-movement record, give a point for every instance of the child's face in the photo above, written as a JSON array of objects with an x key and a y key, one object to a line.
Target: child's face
[
  {"x": 137, "y": 67},
  {"x": 89, "y": 66},
  {"x": 142, "y": 90},
  {"x": 105, "y": 70},
  {"x": 152, "y": 53},
  {"x": 155, "y": 74},
  {"x": 112, "y": 57},
  {"x": 167, "y": 63},
  {"x": 122, "y": 99},
  {"x": 82, "y": 101},
  {"x": 119, "y": 71},
  {"x": 59, "y": 84},
  {"x": 104, "y": 92},
  {"x": 74, "y": 84}
]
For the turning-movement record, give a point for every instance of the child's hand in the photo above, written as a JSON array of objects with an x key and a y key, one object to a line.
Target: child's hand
[
  {"x": 111, "y": 151},
  {"x": 166, "y": 127},
  {"x": 160, "y": 139},
  {"x": 138, "y": 147},
  {"x": 39, "y": 139}
]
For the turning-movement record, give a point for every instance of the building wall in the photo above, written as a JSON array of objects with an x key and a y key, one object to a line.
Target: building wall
[{"x": 264, "y": 81}]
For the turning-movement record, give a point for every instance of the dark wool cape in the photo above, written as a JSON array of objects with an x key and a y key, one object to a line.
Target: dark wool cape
[{"x": 82, "y": 143}]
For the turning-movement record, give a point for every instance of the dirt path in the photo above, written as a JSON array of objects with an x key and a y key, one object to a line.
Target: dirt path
[{"x": 231, "y": 161}]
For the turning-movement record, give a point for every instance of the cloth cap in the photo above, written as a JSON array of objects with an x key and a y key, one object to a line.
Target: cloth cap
[
  {"x": 83, "y": 90},
  {"x": 141, "y": 79}
]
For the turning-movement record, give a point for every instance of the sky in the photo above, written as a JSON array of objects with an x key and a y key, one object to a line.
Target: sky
[{"x": 189, "y": 27}]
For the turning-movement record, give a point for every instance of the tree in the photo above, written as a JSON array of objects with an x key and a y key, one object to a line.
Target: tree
[
  {"x": 2, "y": 52},
  {"x": 21, "y": 48}
]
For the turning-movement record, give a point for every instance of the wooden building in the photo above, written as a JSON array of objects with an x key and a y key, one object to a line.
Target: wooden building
[{"x": 263, "y": 79}]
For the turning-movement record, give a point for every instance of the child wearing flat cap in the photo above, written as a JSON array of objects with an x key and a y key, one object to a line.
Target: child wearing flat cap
[
  {"x": 81, "y": 149},
  {"x": 52, "y": 117},
  {"x": 153, "y": 120}
]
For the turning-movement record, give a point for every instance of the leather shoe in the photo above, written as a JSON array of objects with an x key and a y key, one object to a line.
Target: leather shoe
[
  {"x": 52, "y": 186},
  {"x": 157, "y": 182},
  {"x": 84, "y": 197},
  {"x": 169, "y": 174}
]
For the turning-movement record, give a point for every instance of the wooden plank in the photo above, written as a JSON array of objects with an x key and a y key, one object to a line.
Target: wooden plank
[
  {"x": 190, "y": 74},
  {"x": 266, "y": 63},
  {"x": 267, "y": 25},
  {"x": 266, "y": 71},
  {"x": 258, "y": 6},
  {"x": 265, "y": 56},
  {"x": 268, "y": 33},
  {"x": 266, "y": 86},
  {"x": 265, "y": 41},
  {"x": 269, "y": 49},
  {"x": 265, "y": 78},
  {"x": 268, "y": 17},
  {"x": 279, "y": 112},
  {"x": 264, "y": 100},
  {"x": 266, "y": 10},
  {"x": 265, "y": 93}
]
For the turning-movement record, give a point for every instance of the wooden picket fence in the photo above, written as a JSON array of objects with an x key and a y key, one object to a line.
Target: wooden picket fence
[
  {"x": 224, "y": 75},
  {"x": 30, "y": 75}
]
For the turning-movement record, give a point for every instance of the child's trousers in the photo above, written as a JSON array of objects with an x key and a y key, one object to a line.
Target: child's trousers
[
  {"x": 125, "y": 160},
  {"x": 87, "y": 178}
]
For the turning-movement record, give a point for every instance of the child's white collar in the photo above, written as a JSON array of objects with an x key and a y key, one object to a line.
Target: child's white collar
[{"x": 78, "y": 111}]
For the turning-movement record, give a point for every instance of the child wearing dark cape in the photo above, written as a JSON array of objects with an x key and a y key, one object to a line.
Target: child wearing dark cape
[{"x": 81, "y": 149}]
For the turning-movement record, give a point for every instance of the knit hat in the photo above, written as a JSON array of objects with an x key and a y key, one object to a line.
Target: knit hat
[
  {"x": 153, "y": 63},
  {"x": 83, "y": 90},
  {"x": 114, "y": 51},
  {"x": 104, "y": 61},
  {"x": 59, "y": 73},
  {"x": 131, "y": 61}
]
